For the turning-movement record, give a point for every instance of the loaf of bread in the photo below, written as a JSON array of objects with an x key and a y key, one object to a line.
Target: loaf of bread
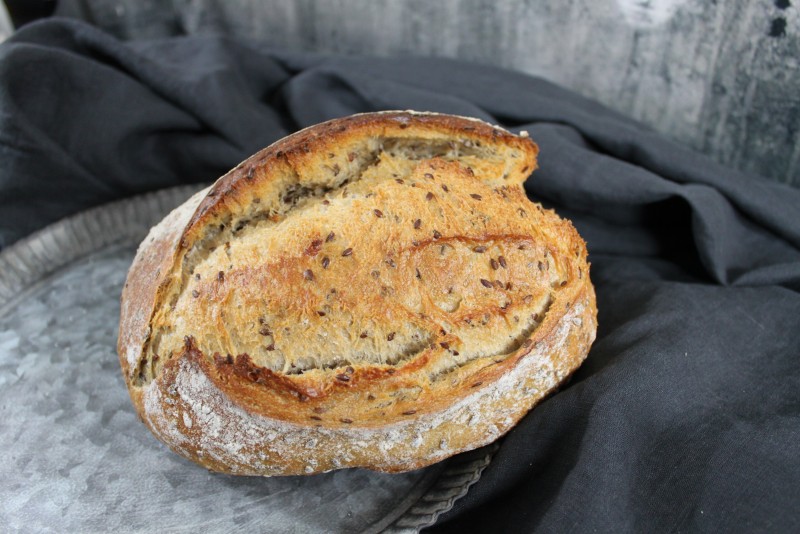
[{"x": 376, "y": 291}]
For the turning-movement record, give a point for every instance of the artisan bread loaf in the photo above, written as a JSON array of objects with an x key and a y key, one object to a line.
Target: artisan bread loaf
[{"x": 375, "y": 291}]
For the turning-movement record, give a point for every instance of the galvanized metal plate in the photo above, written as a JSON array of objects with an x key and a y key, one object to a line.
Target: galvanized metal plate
[{"x": 75, "y": 458}]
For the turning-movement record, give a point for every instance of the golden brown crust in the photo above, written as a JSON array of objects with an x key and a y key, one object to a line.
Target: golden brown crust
[{"x": 375, "y": 291}]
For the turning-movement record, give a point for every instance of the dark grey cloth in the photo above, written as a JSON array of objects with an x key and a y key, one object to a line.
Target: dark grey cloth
[{"x": 686, "y": 415}]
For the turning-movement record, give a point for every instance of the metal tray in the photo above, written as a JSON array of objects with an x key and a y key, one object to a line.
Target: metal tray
[{"x": 75, "y": 458}]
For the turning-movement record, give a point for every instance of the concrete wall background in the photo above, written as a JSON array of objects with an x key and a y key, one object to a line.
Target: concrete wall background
[{"x": 720, "y": 76}]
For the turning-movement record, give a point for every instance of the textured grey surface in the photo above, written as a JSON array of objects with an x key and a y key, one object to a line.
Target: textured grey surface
[
  {"x": 721, "y": 77},
  {"x": 74, "y": 457}
]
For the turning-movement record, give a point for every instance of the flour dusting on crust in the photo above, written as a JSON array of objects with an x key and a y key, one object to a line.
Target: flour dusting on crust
[
  {"x": 134, "y": 320},
  {"x": 195, "y": 417}
]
